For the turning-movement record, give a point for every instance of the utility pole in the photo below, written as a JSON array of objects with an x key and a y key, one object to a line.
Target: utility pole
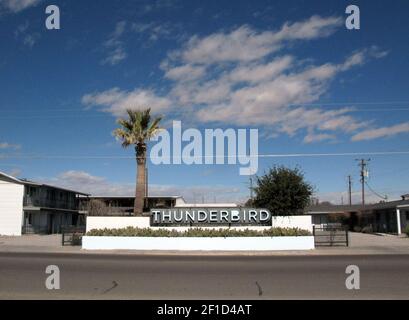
[
  {"x": 251, "y": 189},
  {"x": 350, "y": 190},
  {"x": 364, "y": 173},
  {"x": 146, "y": 187}
]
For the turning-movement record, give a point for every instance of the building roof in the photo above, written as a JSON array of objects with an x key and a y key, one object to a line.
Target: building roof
[
  {"x": 132, "y": 197},
  {"x": 207, "y": 205},
  {"x": 328, "y": 208},
  {"x": 4, "y": 176}
]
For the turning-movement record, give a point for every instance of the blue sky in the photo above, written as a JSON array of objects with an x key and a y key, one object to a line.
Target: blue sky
[{"x": 289, "y": 68}]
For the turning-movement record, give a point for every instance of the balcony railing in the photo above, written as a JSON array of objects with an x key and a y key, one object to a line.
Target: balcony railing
[{"x": 48, "y": 203}]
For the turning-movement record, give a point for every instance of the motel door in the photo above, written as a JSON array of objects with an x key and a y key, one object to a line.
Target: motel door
[{"x": 50, "y": 223}]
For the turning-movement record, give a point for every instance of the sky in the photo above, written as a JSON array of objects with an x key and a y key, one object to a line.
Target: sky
[{"x": 320, "y": 95}]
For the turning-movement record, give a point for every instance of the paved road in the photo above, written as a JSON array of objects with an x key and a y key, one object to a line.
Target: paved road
[{"x": 22, "y": 276}]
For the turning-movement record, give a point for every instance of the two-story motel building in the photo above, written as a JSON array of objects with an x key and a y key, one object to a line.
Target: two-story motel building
[{"x": 31, "y": 207}]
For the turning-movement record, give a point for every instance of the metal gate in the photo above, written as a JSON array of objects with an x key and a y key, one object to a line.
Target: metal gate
[
  {"x": 330, "y": 236},
  {"x": 72, "y": 235}
]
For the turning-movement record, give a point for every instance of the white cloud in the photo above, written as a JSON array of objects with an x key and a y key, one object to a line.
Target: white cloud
[
  {"x": 153, "y": 30},
  {"x": 114, "y": 45},
  {"x": 15, "y": 172},
  {"x": 371, "y": 134},
  {"x": 100, "y": 186},
  {"x": 255, "y": 73},
  {"x": 28, "y": 38},
  {"x": 245, "y": 44},
  {"x": 238, "y": 77},
  {"x": 31, "y": 39},
  {"x": 22, "y": 28},
  {"x": 18, "y": 5},
  {"x": 6, "y": 145},
  {"x": 85, "y": 182},
  {"x": 117, "y": 101},
  {"x": 314, "y": 27},
  {"x": 185, "y": 73},
  {"x": 313, "y": 137},
  {"x": 197, "y": 194}
]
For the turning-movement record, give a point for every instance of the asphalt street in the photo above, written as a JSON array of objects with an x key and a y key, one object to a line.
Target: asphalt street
[
  {"x": 90, "y": 276},
  {"x": 23, "y": 276}
]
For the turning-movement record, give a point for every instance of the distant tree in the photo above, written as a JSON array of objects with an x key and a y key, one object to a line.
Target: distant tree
[
  {"x": 249, "y": 203},
  {"x": 283, "y": 191},
  {"x": 97, "y": 207},
  {"x": 326, "y": 203}
]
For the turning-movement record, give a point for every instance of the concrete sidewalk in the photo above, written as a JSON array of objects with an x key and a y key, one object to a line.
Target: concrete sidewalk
[
  {"x": 35, "y": 243},
  {"x": 360, "y": 244}
]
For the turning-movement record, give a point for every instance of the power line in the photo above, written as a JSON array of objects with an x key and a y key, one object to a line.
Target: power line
[
  {"x": 376, "y": 193},
  {"x": 288, "y": 155}
]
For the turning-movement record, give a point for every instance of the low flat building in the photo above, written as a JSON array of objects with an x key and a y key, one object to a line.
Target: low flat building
[
  {"x": 384, "y": 217},
  {"x": 123, "y": 205},
  {"x": 31, "y": 207}
]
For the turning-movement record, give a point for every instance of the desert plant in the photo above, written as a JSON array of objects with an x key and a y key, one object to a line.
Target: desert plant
[
  {"x": 198, "y": 232},
  {"x": 407, "y": 230}
]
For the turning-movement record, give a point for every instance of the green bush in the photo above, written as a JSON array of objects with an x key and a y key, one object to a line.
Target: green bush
[
  {"x": 198, "y": 232},
  {"x": 407, "y": 230}
]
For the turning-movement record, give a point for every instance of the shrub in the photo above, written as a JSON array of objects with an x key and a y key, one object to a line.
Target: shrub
[
  {"x": 367, "y": 229},
  {"x": 407, "y": 230},
  {"x": 198, "y": 232},
  {"x": 357, "y": 229}
]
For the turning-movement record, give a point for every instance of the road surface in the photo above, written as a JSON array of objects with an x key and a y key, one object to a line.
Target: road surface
[{"x": 90, "y": 276}]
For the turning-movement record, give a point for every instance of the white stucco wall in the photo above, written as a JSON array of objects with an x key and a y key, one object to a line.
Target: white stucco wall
[
  {"x": 11, "y": 208},
  {"x": 199, "y": 244},
  {"x": 301, "y": 222},
  {"x": 116, "y": 222}
]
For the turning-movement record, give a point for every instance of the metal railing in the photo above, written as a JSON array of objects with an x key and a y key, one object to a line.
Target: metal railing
[
  {"x": 72, "y": 235},
  {"x": 50, "y": 203},
  {"x": 330, "y": 236},
  {"x": 30, "y": 229}
]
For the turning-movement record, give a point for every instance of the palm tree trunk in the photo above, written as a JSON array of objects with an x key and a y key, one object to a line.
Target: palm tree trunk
[{"x": 140, "y": 179}]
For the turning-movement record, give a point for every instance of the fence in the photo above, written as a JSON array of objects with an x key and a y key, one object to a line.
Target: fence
[
  {"x": 30, "y": 229},
  {"x": 72, "y": 235},
  {"x": 330, "y": 236}
]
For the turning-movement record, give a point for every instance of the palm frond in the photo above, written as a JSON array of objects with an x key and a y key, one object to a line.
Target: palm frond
[{"x": 138, "y": 128}]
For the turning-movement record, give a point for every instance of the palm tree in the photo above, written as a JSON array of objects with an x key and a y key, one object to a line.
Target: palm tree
[{"x": 137, "y": 130}]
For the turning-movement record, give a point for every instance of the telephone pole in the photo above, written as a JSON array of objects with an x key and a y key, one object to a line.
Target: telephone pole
[
  {"x": 364, "y": 173},
  {"x": 350, "y": 189},
  {"x": 251, "y": 189}
]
